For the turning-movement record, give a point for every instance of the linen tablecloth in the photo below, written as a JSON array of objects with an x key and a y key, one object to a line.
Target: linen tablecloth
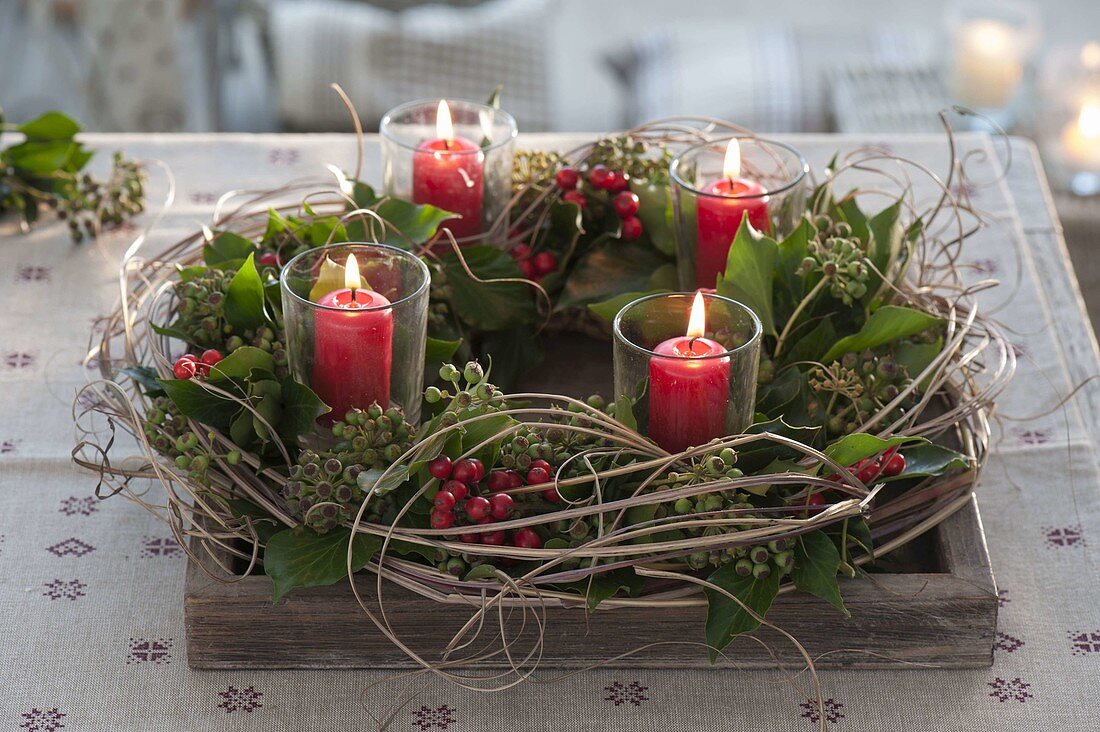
[{"x": 91, "y": 626}]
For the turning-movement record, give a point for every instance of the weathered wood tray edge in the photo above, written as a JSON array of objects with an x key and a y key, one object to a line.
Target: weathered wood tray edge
[{"x": 940, "y": 620}]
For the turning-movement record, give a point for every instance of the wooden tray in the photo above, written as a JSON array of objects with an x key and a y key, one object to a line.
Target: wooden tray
[{"x": 936, "y": 604}]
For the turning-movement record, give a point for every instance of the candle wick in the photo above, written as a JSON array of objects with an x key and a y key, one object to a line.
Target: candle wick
[
  {"x": 691, "y": 345},
  {"x": 446, "y": 144},
  {"x": 354, "y": 300}
]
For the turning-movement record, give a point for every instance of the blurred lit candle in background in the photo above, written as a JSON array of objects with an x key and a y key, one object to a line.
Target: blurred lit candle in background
[
  {"x": 719, "y": 215},
  {"x": 988, "y": 63},
  {"x": 1081, "y": 138},
  {"x": 447, "y": 173}
]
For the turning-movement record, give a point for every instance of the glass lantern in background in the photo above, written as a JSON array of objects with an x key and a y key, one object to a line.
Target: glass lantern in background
[
  {"x": 688, "y": 363},
  {"x": 717, "y": 184},
  {"x": 992, "y": 42},
  {"x": 356, "y": 320},
  {"x": 452, "y": 154},
  {"x": 1069, "y": 120}
]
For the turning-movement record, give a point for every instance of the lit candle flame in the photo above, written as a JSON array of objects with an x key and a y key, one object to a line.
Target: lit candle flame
[
  {"x": 1090, "y": 55},
  {"x": 731, "y": 166},
  {"x": 444, "y": 128},
  {"x": 1088, "y": 122},
  {"x": 352, "y": 280},
  {"x": 991, "y": 37},
  {"x": 697, "y": 323}
]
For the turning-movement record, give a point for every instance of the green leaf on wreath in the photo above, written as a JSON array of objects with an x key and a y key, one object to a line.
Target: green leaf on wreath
[
  {"x": 816, "y": 561},
  {"x": 410, "y": 223},
  {"x": 488, "y": 305},
  {"x": 438, "y": 352},
  {"x": 296, "y": 558},
  {"x": 301, "y": 408},
  {"x": 608, "y": 309},
  {"x": 44, "y": 158},
  {"x": 329, "y": 279},
  {"x": 749, "y": 275},
  {"x": 512, "y": 352},
  {"x": 484, "y": 428},
  {"x": 146, "y": 377},
  {"x": 606, "y": 585},
  {"x": 792, "y": 250},
  {"x": 886, "y": 241},
  {"x": 227, "y": 250},
  {"x": 195, "y": 401},
  {"x": 49, "y": 127},
  {"x": 726, "y": 618},
  {"x": 888, "y": 323},
  {"x": 239, "y": 364},
  {"x": 928, "y": 459},
  {"x": 755, "y": 455},
  {"x": 614, "y": 267},
  {"x": 655, "y": 211},
  {"x": 813, "y": 345},
  {"x": 244, "y": 298},
  {"x": 855, "y": 447}
]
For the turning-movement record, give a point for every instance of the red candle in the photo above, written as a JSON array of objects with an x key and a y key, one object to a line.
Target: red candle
[
  {"x": 688, "y": 392},
  {"x": 719, "y": 215},
  {"x": 353, "y": 347},
  {"x": 447, "y": 173}
]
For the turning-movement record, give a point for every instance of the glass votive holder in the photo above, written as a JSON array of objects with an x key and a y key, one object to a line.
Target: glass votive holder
[
  {"x": 453, "y": 154},
  {"x": 688, "y": 361},
  {"x": 991, "y": 44},
  {"x": 1069, "y": 126},
  {"x": 356, "y": 318},
  {"x": 717, "y": 184}
]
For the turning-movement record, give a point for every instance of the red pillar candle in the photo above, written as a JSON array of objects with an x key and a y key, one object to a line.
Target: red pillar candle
[
  {"x": 719, "y": 215},
  {"x": 353, "y": 347},
  {"x": 447, "y": 173},
  {"x": 689, "y": 392}
]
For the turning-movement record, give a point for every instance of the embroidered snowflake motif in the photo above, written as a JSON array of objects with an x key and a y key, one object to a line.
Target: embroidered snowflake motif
[
  {"x": 1084, "y": 642},
  {"x": 1002, "y": 598},
  {"x": 1008, "y": 643},
  {"x": 42, "y": 720},
  {"x": 70, "y": 548},
  {"x": 1004, "y": 690},
  {"x": 79, "y": 506},
  {"x": 1064, "y": 536},
  {"x": 19, "y": 359},
  {"x": 964, "y": 190},
  {"x": 985, "y": 266},
  {"x": 7, "y": 447},
  {"x": 240, "y": 700},
  {"x": 439, "y": 718},
  {"x": 282, "y": 156},
  {"x": 832, "y": 710},
  {"x": 1033, "y": 437},
  {"x": 158, "y": 546},
  {"x": 33, "y": 273},
  {"x": 64, "y": 589},
  {"x": 150, "y": 651},
  {"x": 203, "y": 197},
  {"x": 634, "y": 694}
]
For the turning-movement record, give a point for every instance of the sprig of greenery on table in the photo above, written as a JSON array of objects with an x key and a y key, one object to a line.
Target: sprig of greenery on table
[{"x": 45, "y": 170}]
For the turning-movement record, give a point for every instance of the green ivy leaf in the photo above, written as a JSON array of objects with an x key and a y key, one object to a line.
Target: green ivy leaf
[
  {"x": 886, "y": 241},
  {"x": 44, "y": 158},
  {"x": 726, "y": 618},
  {"x": 146, "y": 377},
  {"x": 244, "y": 299},
  {"x": 888, "y": 323},
  {"x": 749, "y": 274},
  {"x": 606, "y": 585},
  {"x": 488, "y": 305},
  {"x": 813, "y": 345},
  {"x": 239, "y": 364},
  {"x": 855, "y": 447},
  {"x": 299, "y": 557},
  {"x": 513, "y": 353},
  {"x": 792, "y": 250},
  {"x": 411, "y": 223},
  {"x": 655, "y": 211},
  {"x": 816, "y": 561},
  {"x": 301, "y": 408},
  {"x": 50, "y": 126},
  {"x": 755, "y": 455},
  {"x": 608, "y": 309},
  {"x": 474, "y": 433},
  {"x": 614, "y": 267},
  {"x": 199, "y": 404},
  {"x": 227, "y": 250},
  {"x": 438, "y": 352},
  {"x": 928, "y": 459}
]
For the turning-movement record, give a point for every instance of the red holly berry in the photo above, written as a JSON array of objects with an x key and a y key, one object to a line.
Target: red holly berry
[
  {"x": 441, "y": 519},
  {"x": 501, "y": 505},
  {"x": 567, "y": 178},
  {"x": 545, "y": 263},
  {"x": 470, "y": 538},
  {"x": 188, "y": 357},
  {"x": 477, "y": 507},
  {"x": 444, "y": 500},
  {"x": 617, "y": 181},
  {"x": 456, "y": 489},
  {"x": 527, "y": 269},
  {"x": 816, "y": 499},
  {"x": 540, "y": 463},
  {"x": 469, "y": 471},
  {"x": 440, "y": 467},
  {"x": 599, "y": 176},
  {"x": 211, "y": 356},
  {"x": 527, "y": 539},
  {"x": 537, "y": 476},
  {"x": 499, "y": 480},
  {"x": 521, "y": 251},
  {"x": 895, "y": 465},
  {"x": 515, "y": 480},
  {"x": 576, "y": 197},
  {"x": 552, "y": 495},
  {"x": 631, "y": 229},
  {"x": 494, "y": 538},
  {"x": 269, "y": 259},
  {"x": 185, "y": 368},
  {"x": 868, "y": 472},
  {"x": 626, "y": 204}
]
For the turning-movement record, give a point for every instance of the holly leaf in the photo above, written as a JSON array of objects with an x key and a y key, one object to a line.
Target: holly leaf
[
  {"x": 813, "y": 345},
  {"x": 608, "y": 309},
  {"x": 199, "y": 404},
  {"x": 227, "y": 250},
  {"x": 928, "y": 459},
  {"x": 888, "y": 323},
  {"x": 749, "y": 274},
  {"x": 239, "y": 364},
  {"x": 146, "y": 378},
  {"x": 614, "y": 267},
  {"x": 726, "y": 618},
  {"x": 296, "y": 558},
  {"x": 50, "y": 126},
  {"x": 488, "y": 305},
  {"x": 855, "y": 447},
  {"x": 244, "y": 298},
  {"x": 816, "y": 561}
]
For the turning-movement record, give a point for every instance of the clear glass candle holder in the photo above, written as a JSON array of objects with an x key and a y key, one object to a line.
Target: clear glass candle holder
[
  {"x": 689, "y": 381},
  {"x": 453, "y": 154},
  {"x": 716, "y": 184},
  {"x": 1069, "y": 126},
  {"x": 357, "y": 338}
]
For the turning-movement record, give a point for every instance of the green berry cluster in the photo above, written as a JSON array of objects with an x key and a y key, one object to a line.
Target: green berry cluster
[
  {"x": 847, "y": 392},
  {"x": 758, "y": 561},
  {"x": 638, "y": 158},
  {"x": 88, "y": 204},
  {"x": 323, "y": 492},
  {"x": 837, "y": 256},
  {"x": 371, "y": 438},
  {"x": 170, "y": 435},
  {"x": 470, "y": 394}
]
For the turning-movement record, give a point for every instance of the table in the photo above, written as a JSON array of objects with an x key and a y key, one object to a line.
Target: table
[{"x": 90, "y": 591}]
